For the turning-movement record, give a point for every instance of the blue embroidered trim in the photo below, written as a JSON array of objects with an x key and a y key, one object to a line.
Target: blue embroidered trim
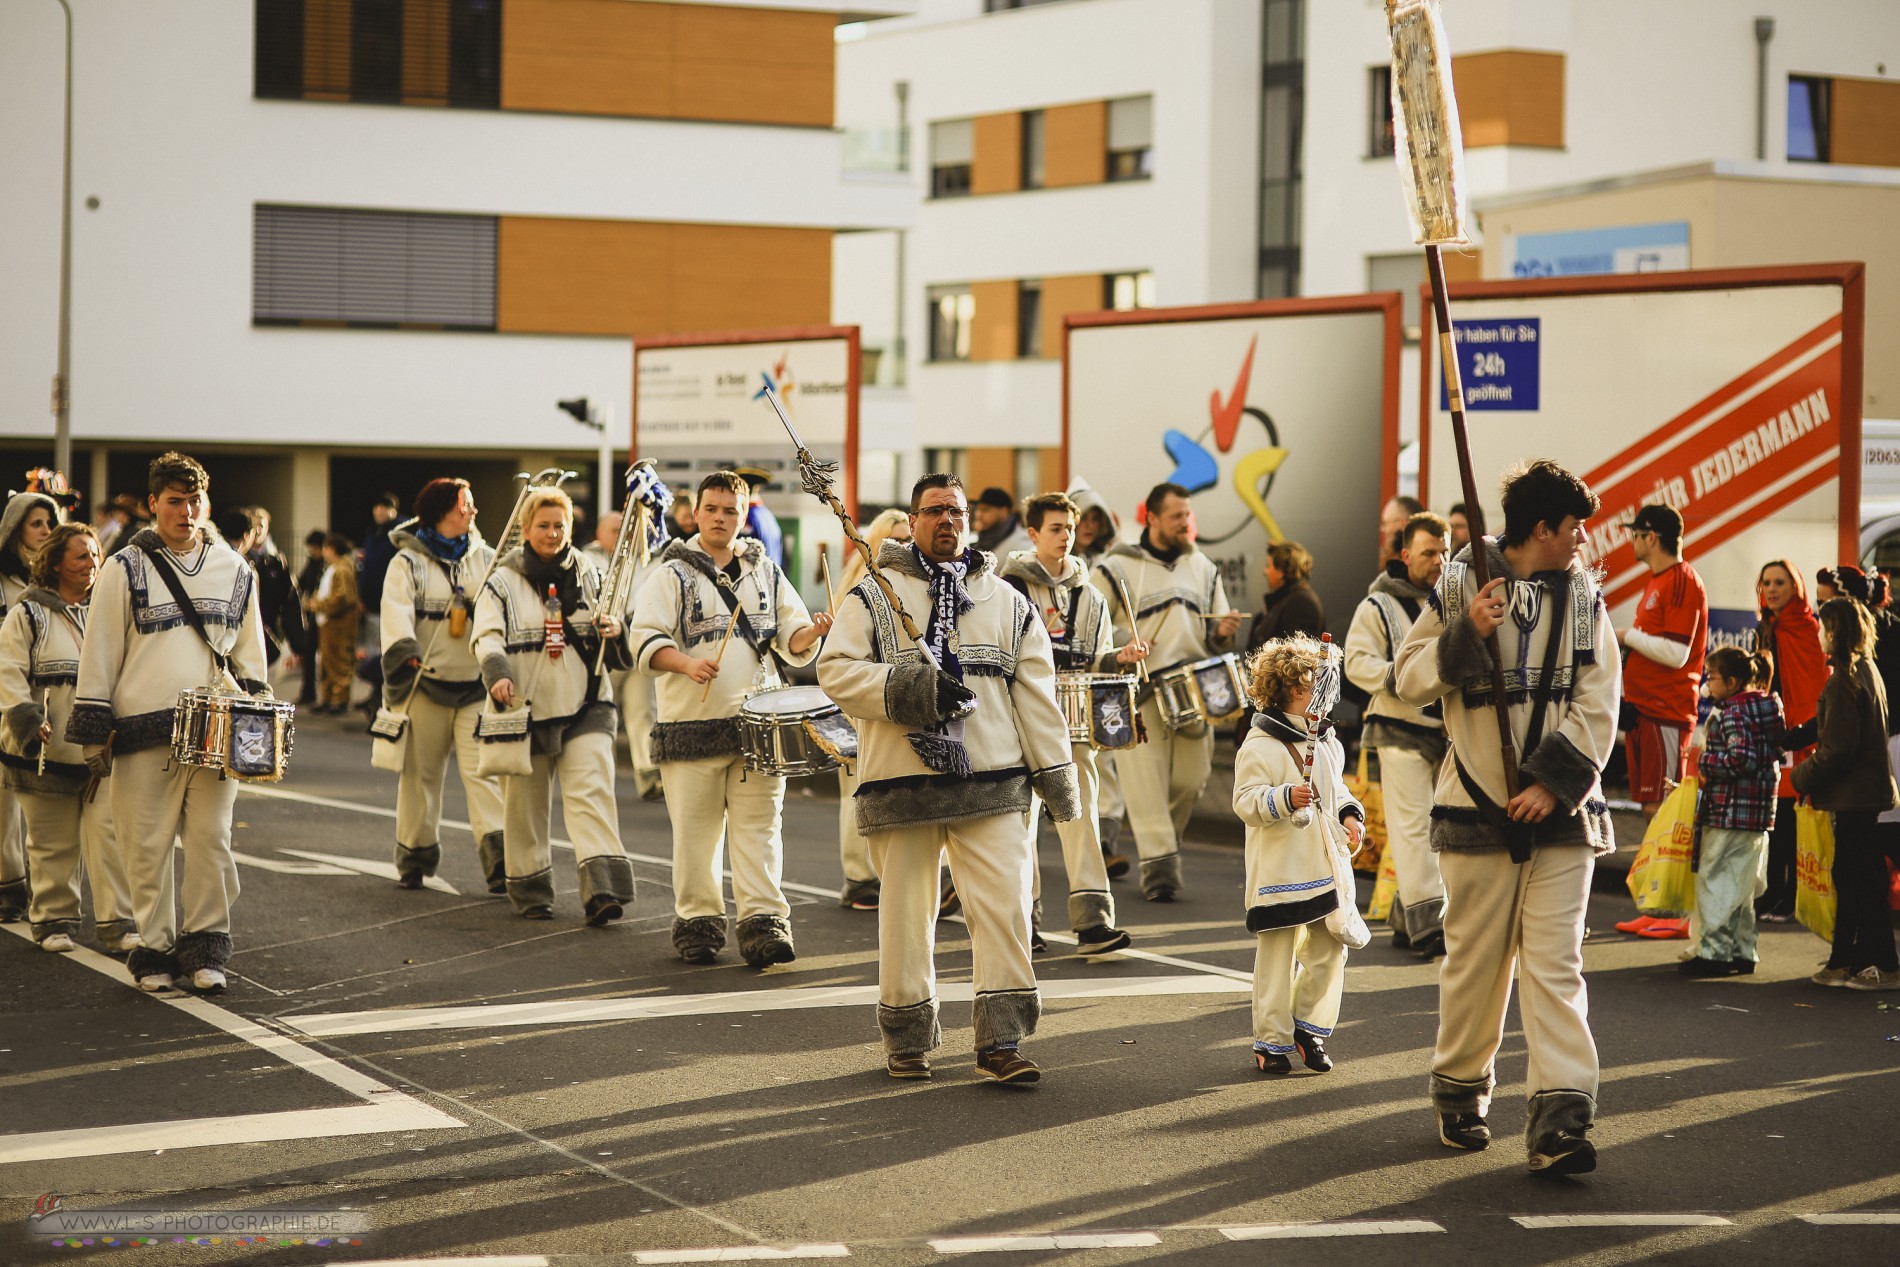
[
  {"x": 1265, "y": 889},
  {"x": 1318, "y": 1031},
  {"x": 1275, "y": 1049}
]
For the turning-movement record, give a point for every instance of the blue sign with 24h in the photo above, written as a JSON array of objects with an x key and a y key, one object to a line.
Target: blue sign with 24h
[{"x": 1498, "y": 362}]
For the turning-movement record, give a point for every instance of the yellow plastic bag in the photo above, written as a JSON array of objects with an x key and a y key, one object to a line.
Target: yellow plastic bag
[
  {"x": 1660, "y": 879},
  {"x": 1367, "y": 792},
  {"x": 1385, "y": 888},
  {"x": 1814, "y": 871}
]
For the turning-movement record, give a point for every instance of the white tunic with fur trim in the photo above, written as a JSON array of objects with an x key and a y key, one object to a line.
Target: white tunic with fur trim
[
  {"x": 418, "y": 592},
  {"x": 510, "y": 636},
  {"x": 1289, "y": 874},
  {"x": 1081, "y": 631},
  {"x": 680, "y": 607},
  {"x": 1016, "y": 737},
  {"x": 1191, "y": 582},
  {"x": 40, "y": 640}
]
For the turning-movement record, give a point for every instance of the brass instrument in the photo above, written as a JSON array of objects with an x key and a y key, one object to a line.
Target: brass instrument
[
  {"x": 551, "y": 477},
  {"x": 647, "y": 499}
]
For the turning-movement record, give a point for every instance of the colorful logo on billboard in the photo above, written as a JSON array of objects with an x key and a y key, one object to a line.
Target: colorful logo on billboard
[{"x": 1198, "y": 467}]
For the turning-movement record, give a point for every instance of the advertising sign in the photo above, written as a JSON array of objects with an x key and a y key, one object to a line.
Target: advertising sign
[
  {"x": 1269, "y": 413},
  {"x": 1623, "y": 248},
  {"x": 1730, "y": 396}
]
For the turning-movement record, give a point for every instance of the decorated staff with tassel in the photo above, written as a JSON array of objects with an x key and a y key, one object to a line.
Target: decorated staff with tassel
[
  {"x": 957, "y": 724},
  {"x": 711, "y": 624},
  {"x": 1518, "y": 649}
]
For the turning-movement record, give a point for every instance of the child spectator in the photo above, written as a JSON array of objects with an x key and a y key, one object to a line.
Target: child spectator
[
  {"x": 1299, "y": 967},
  {"x": 337, "y": 607},
  {"x": 1740, "y": 768}
]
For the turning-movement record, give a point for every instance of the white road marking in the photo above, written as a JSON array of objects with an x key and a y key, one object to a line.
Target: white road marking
[
  {"x": 1852, "y": 1220},
  {"x": 1620, "y": 1220},
  {"x": 1232, "y": 974},
  {"x": 288, "y": 868},
  {"x": 739, "y": 1254},
  {"x": 511, "y": 1260},
  {"x": 1296, "y": 1231},
  {"x": 384, "y": 1108},
  {"x": 387, "y": 870},
  {"x": 571, "y": 1011},
  {"x": 1014, "y": 1244}
]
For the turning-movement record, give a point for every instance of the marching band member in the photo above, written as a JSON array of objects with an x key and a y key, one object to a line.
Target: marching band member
[
  {"x": 24, "y": 527},
  {"x": 953, "y": 735},
  {"x": 537, "y": 634},
  {"x": 1081, "y": 636},
  {"x": 854, "y": 851},
  {"x": 39, "y": 667},
  {"x": 703, "y": 585},
  {"x": 430, "y": 672},
  {"x": 633, "y": 690},
  {"x": 1410, "y": 741},
  {"x": 175, "y": 609},
  {"x": 1162, "y": 779}
]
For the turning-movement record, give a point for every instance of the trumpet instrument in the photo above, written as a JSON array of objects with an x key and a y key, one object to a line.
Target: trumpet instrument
[{"x": 645, "y": 507}]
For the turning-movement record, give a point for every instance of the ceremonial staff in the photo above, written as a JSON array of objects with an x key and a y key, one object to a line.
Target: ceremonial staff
[{"x": 1430, "y": 151}]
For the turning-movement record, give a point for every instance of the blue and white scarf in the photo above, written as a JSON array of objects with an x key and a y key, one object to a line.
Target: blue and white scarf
[{"x": 941, "y": 747}]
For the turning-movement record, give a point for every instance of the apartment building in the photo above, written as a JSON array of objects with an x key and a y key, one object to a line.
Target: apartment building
[{"x": 336, "y": 246}]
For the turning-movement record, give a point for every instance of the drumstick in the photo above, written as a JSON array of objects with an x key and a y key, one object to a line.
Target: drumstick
[
  {"x": 719, "y": 655},
  {"x": 824, "y": 570},
  {"x": 1121, "y": 587},
  {"x": 44, "y": 696}
]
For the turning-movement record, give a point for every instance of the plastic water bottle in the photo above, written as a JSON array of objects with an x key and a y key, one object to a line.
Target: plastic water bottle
[{"x": 555, "y": 637}]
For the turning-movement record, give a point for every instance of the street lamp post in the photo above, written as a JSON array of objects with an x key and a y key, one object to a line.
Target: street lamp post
[{"x": 62, "y": 377}]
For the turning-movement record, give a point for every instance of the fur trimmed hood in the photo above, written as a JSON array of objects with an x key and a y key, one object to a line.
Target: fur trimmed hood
[
  {"x": 403, "y": 536},
  {"x": 750, "y": 551},
  {"x": 19, "y": 505},
  {"x": 1134, "y": 550},
  {"x": 1025, "y": 564},
  {"x": 51, "y": 601},
  {"x": 1399, "y": 587}
]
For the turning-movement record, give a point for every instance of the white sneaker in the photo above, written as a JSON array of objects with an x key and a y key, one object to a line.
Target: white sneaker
[
  {"x": 207, "y": 981},
  {"x": 156, "y": 983},
  {"x": 58, "y": 944},
  {"x": 126, "y": 944}
]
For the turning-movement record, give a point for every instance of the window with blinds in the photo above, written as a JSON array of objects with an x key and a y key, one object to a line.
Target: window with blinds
[
  {"x": 379, "y": 269},
  {"x": 393, "y": 52}
]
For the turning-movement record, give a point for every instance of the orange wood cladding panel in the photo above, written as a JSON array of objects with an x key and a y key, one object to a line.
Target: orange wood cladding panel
[
  {"x": 1081, "y": 292},
  {"x": 1865, "y": 123},
  {"x": 425, "y": 52},
  {"x": 993, "y": 324},
  {"x": 560, "y": 276},
  {"x": 988, "y": 468},
  {"x": 326, "y": 50},
  {"x": 677, "y": 61},
  {"x": 1075, "y": 141},
  {"x": 1510, "y": 97},
  {"x": 1048, "y": 470},
  {"x": 998, "y": 164},
  {"x": 1462, "y": 266}
]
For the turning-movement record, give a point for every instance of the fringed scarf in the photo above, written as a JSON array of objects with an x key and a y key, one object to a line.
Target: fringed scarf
[{"x": 941, "y": 747}]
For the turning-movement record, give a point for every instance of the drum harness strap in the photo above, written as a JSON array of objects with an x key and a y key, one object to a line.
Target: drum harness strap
[
  {"x": 1518, "y": 837},
  {"x": 185, "y": 607},
  {"x": 729, "y": 595}
]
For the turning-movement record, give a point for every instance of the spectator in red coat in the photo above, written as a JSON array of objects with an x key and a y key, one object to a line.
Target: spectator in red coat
[{"x": 1790, "y": 634}]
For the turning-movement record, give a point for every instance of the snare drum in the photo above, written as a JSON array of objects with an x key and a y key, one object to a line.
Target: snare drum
[
  {"x": 1200, "y": 691},
  {"x": 793, "y": 731},
  {"x": 1099, "y": 709},
  {"x": 246, "y": 737}
]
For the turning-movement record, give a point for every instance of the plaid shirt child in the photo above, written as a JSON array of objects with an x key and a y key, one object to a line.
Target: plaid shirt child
[{"x": 1740, "y": 762}]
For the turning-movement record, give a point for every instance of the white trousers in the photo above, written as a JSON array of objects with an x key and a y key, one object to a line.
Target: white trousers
[
  {"x": 1299, "y": 974},
  {"x": 854, "y": 851},
  {"x": 436, "y": 731},
  {"x": 153, "y": 803},
  {"x": 65, "y": 839},
  {"x": 1500, "y": 916},
  {"x": 586, "y": 771},
  {"x": 1090, "y": 902},
  {"x": 12, "y": 839},
  {"x": 1161, "y": 780},
  {"x": 711, "y": 802},
  {"x": 992, "y": 862},
  {"x": 1407, "y": 779},
  {"x": 635, "y": 693},
  {"x": 1109, "y": 798}
]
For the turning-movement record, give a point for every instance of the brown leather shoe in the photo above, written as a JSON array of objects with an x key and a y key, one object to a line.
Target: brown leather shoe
[
  {"x": 1007, "y": 1065},
  {"x": 917, "y": 1066}
]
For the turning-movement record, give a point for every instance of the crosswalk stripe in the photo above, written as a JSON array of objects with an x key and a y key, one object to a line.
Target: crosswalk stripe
[
  {"x": 1852, "y": 1220},
  {"x": 1619, "y": 1220},
  {"x": 1300, "y": 1231},
  {"x": 1014, "y": 1244},
  {"x": 739, "y": 1254}
]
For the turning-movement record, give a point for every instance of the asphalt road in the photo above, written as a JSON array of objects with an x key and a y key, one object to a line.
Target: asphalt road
[{"x": 481, "y": 1087}]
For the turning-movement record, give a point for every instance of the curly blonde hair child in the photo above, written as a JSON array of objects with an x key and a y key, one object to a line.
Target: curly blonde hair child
[{"x": 1282, "y": 668}]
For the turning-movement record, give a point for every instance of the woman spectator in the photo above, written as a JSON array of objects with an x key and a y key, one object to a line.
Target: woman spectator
[
  {"x": 336, "y": 607},
  {"x": 1291, "y": 604},
  {"x": 854, "y": 851},
  {"x": 1850, "y": 776},
  {"x": 1827, "y": 586},
  {"x": 25, "y": 525},
  {"x": 67, "y": 837},
  {"x": 1095, "y": 529},
  {"x": 1791, "y": 636},
  {"x": 537, "y": 638}
]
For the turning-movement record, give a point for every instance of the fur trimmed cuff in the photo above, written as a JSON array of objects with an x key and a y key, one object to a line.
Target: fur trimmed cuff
[
  {"x": 931, "y": 799},
  {"x": 1159, "y": 875},
  {"x": 1461, "y": 654},
  {"x": 764, "y": 939},
  {"x": 493, "y": 859},
  {"x": 1005, "y": 1016},
  {"x": 203, "y": 950},
  {"x": 1560, "y": 767},
  {"x": 494, "y": 669},
  {"x": 1554, "y": 1113},
  {"x": 1091, "y": 910},
  {"x": 138, "y": 733},
  {"x": 1060, "y": 791},
  {"x": 607, "y": 876},
  {"x": 146, "y": 962},
  {"x": 23, "y": 723},
  {"x": 1453, "y": 1095},
  {"x": 702, "y": 932},
  {"x": 910, "y": 1031},
  {"x": 48, "y": 928},
  {"x": 110, "y": 931},
  {"x": 532, "y": 890},
  {"x": 1419, "y": 922},
  {"x": 396, "y": 657},
  {"x": 421, "y": 860},
  {"x": 910, "y": 693},
  {"x": 88, "y": 724},
  {"x": 695, "y": 740}
]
